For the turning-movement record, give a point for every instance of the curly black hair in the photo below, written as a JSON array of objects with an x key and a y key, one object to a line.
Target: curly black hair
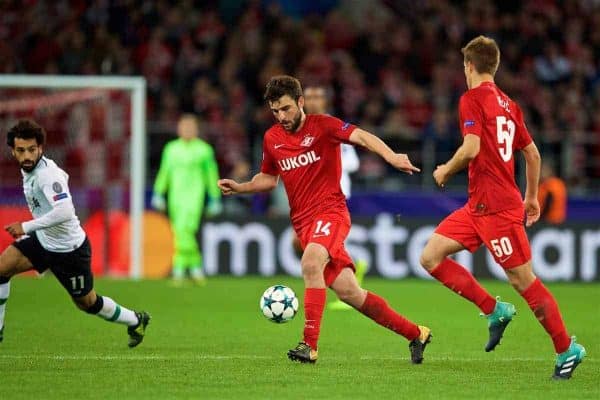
[{"x": 26, "y": 129}]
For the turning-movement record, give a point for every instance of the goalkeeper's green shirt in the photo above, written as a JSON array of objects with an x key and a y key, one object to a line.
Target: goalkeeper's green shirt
[{"x": 188, "y": 170}]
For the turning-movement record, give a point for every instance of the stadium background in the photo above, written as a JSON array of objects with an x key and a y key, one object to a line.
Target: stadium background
[{"x": 399, "y": 75}]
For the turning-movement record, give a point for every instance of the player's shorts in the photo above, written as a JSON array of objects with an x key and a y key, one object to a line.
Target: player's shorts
[
  {"x": 503, "y": 233},
  {"x": 72, "y": 269},
  {"x": 330, "y": 230}
]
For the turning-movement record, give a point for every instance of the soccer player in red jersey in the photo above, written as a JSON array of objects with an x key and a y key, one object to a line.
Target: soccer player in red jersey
[
  {"x": 304, "y": 150},
  {"x": 493, "y": 129}
]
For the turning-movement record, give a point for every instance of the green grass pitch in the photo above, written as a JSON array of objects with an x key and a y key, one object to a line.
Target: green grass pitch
[{"x": 214, "y": 343}]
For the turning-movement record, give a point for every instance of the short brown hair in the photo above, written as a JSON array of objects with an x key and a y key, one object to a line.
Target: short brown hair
[
  {"x": 281, "y": 85},
  {"x": 484, "y": 53},
  {"x": 26, "y": 129},
  {"x": 191, "y": 117}
]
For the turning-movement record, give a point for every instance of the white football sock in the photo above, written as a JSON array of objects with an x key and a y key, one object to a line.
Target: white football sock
[
  {"x": 4, "y": 292},
  {"x": 113, "y": 312},
  {"x": 196, "y": 273},
  {"x": 178, "y": 272}
]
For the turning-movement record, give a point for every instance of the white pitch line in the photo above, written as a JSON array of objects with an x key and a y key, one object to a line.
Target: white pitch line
[
  {"x": 257, "y": 357},
  {"x": 132, "y": 358},
  {"x": 478, "y": 359}
]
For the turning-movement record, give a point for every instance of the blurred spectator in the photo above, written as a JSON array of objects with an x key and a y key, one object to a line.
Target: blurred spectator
[
  {"x": 444, "y": 134},
  {"x": 552, "y": 196},
  {"x": 238, "y": 205},
  {"x": 552, "y": 67}
]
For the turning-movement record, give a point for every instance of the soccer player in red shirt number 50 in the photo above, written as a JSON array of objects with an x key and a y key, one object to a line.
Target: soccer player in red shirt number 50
[
  {"x": 304, "y": 150},
  {"x": 493, "y": 129}
]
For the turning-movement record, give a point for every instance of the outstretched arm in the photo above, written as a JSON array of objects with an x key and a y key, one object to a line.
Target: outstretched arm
[
  {"x": 373, "y": 143},
  {"x": 261, "y": 182},
  {"x": 533, "y": 162},
  {"x": 463, "y": 156}
]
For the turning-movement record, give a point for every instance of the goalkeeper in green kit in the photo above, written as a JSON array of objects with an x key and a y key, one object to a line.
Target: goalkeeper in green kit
[{"x": 188, "y": 172}]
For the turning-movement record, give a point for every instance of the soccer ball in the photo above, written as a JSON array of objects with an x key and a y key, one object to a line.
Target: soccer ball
[{"x": 279, "y": 304}]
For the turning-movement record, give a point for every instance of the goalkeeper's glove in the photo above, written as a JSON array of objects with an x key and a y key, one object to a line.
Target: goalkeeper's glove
[
  {"x": 158, "y": 202},
  {"x": 214, "y": 207}
]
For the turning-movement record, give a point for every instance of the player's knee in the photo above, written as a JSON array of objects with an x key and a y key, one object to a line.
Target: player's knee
[
  {"x": 6, "y": 267},
  {"x": 520, "y": 277},
  {"x": 350, "y": 295},
  {"x": 88, "y": 303},
  {"x": 428, "y": 260},
  {"x": 520, "y": 281},
  {"x": 80, "y": 304},
  {"x": 516, "y": 282},
  {"x": 310, "y": 267}
]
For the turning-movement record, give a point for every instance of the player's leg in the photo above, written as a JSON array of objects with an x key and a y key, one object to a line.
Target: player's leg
[
  {"x": 185, "y": 222},
  {"x": 195, "y": 256},
  {"x": 107, "y": 309},
  {"x": 359, "y": 273},
  {"x": 569, "y": 353},
  {"x": 189, "y": 256},
  {"x": 12, "y": 262},
  {"x": 181, "y": 240},
  {"x": 462, "y": 231},
  {"x": 454, "y": 276},
  {"x": 73, "y": 271},
  {"x": 457, "y": 232},
  {"x": 313, "y": 263},
  {"x": 371, "y": 305},
  {"x": 321, "y": 240}
]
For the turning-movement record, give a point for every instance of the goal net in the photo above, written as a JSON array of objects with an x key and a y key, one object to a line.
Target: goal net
[{"x": 95, "y": 132}]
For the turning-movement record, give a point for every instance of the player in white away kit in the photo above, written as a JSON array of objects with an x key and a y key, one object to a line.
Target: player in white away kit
[
  {"x": 54, "y": 239},
  {"x": 316, "y": 102}
]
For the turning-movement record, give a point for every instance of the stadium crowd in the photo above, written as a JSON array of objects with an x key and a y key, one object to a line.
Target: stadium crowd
[{"x": 393, "y": 67}]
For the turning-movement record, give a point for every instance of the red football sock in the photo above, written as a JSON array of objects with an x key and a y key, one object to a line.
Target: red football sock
[
  {"x": 314, "y": 303},
  {"x": 546, "y": 310},
  {"x": 458, "y": 279},
  {"x": 379, "y": 311}
]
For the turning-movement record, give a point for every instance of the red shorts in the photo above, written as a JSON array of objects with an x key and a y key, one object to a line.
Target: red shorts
[
  {"x": 502, "y": 233},
  {"x": 330, "y": 231}
]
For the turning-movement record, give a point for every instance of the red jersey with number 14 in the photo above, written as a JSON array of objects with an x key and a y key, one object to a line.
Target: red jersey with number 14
[
  {"x": 487, "y": 112},
  {"x": 308, "y": 162}
]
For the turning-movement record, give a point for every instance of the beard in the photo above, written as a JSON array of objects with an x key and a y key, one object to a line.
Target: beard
[
  {"x": 295, "y": 123},
  {"x": 29, "y": 165}
]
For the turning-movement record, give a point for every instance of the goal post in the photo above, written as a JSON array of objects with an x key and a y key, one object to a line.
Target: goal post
[{"x": 136, "y": 86}]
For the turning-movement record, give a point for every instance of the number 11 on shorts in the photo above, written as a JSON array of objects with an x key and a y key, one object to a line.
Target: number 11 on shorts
[{"x": 74, "y": 280}]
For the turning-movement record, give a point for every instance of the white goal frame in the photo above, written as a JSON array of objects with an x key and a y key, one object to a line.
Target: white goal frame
[{"x": 136, "y": 86}]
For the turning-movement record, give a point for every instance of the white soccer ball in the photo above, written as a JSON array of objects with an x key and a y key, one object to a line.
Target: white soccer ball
[{"x": 279, "y": 304}]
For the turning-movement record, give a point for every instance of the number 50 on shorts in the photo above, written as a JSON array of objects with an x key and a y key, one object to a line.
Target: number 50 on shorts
[{"x": 502, "y": 247}]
